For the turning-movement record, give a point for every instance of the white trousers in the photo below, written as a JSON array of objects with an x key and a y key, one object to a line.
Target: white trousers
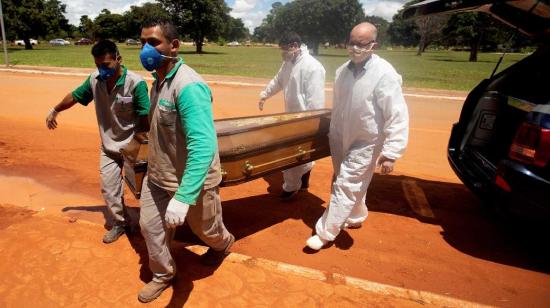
[
  {"x": 352, "y": 175},
  {"x": 293, "y": 177}
]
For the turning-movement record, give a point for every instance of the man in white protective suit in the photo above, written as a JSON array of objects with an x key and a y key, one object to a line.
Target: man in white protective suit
[
  {"x": 302, "y": 79},
  {"x": 369, "y": 128}
]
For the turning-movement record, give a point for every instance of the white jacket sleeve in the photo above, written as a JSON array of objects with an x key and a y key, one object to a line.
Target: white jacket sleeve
[
  {"x": 390, "y": 100},
  {"x": 274, "y": 86},
  {"x": 315, "y": 89}
]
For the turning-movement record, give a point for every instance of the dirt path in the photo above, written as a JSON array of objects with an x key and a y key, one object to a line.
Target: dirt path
[{"x": 425, "y": 230}]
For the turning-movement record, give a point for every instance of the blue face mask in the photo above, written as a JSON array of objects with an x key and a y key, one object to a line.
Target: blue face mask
[
  {"x": 151, "y": 58},
  {"x": 106, "y": 73}
]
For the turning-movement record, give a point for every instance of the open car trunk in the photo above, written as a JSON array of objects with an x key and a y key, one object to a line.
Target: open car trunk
[{"x": 494, "y": 111}]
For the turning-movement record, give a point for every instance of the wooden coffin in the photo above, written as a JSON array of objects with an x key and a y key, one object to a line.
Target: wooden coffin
[
  {"x": 135, "y": 162},
  {"x": 250, "y": 147}
]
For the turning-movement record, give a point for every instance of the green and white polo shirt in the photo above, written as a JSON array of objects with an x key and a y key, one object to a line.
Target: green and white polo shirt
[{"x": 117, "y": 112}]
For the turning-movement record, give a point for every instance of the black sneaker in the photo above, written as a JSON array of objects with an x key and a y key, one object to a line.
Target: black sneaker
[
  {"x": 113, "y": 234},
  {"x": 213, "y": 258},
  {"x": 305, "y": 180}
]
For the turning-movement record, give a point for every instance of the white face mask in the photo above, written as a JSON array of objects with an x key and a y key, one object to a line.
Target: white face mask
[
  {"x": 359, "y": 55},
  {"x": 289, "y": 55}
]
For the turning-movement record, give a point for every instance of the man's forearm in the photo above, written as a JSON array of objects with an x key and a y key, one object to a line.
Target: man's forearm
[{"x": 67, "y": 102}]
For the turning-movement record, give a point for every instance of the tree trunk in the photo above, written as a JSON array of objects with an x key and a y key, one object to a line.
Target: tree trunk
[
  {"x": 421, "y": 45},
  {"x": 474, "y": 46},
  {"x": 198, "y": 46},
  {"x": 199, "y": 41},
  {"x": 315, "y": 48},
  {"x": 28, "y": 44}
]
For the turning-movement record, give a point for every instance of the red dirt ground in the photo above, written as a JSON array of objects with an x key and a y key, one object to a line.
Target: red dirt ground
[{"x": 453, "y": 249}]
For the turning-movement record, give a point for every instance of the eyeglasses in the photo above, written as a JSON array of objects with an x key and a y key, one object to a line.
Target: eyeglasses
[{"x": 361, "y": 48}]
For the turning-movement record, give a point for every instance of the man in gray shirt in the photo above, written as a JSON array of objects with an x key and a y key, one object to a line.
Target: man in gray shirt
[{"x": 122, "y": 108}]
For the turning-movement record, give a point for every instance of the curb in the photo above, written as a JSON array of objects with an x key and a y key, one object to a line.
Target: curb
[
  {"x": 211, "y": 81},
  {"x": 420, "y": 297}
]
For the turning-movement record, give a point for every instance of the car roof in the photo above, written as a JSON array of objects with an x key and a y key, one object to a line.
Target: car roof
[{"x": 532, "y": 17}]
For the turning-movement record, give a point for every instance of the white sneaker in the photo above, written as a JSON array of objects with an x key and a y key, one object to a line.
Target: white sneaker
[
  {"x": 350, "y": 225},
  {"x": 315, "y": 242}
]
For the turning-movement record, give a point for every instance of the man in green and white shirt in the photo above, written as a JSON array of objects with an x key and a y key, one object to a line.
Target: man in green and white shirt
[
  {"x": 122, "y": 108},
  {"x": 184, "y": 167}
]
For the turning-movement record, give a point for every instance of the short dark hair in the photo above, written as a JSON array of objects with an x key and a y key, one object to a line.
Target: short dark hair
[
  {"x": 289, "y": 38},
  {"x": 104, "y": 47},
  {"x": 168, "y": 29}
]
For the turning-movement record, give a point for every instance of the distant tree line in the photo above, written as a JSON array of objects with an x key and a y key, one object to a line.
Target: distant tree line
[
  {"x": 318, "y": 21},
  {"x": 197, "y": 20},
  {"x": 470, "y": 31},
  {"x": 26, "y": 19},
  {"x": 329, "y": 21}
]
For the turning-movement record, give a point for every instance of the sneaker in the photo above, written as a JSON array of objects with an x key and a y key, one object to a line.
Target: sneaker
[
  {"x": 213, "y": 257},
  {"x": 286, "y": 195},
  {"x": 305, "y": 180},
  {"x": 350, "y": 225},
  {"x": 315, "y": 242},
  {"x": 113, "y": 234},
  {"x": 152, "y": 290}
]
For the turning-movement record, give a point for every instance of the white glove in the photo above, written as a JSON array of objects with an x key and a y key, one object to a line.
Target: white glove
[
  {"x": 50, "y": 119},
  {"x": 385, "y": 165},
  {"x": 261, "y": 104},
  {"x": 175, "y": 213}
]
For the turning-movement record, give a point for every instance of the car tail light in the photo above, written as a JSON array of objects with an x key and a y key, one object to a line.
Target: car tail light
[
  {"x": 501, "y": 182},
  {"x": 531, "y": 145}
]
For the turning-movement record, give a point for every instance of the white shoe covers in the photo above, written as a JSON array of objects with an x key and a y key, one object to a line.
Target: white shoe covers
[{"x": 315, "y": 242}]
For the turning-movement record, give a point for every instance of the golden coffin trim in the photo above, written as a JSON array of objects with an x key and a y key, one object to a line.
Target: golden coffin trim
[{"x": 238, "y": 170}]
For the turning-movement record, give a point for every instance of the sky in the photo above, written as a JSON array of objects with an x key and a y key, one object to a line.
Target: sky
[{"x": 250, "y": 11}]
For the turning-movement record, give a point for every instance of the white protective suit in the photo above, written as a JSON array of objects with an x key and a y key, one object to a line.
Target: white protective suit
[
  {"x": 369, "y": 118},
  {"x": 303, "y": 85}
]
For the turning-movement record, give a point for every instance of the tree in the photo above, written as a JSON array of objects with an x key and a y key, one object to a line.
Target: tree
[
  {"x": 24, "y": 19},
  {"x": 28, "y": 19},
  {"x": 315, "y": 21},
  {"x": 471, "y": 29},
  {"x": 86, "y": 27},
  {"x": 137, "y": 15},
  {"x": 339, "y": 18},
  {"x": 266, "y": 31},
  {"x": 199, "y": 18},
  {"x": 403, "y": 32},
  {"x": 109, "y": 26},
  {"x": 305, "y": 17},
  {"x": 429, "y": 28},
  {"x": 56, "y": 23},
  {"x": 235, "y": 30}
]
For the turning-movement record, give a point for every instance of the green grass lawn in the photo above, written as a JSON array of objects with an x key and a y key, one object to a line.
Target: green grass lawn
[{"x": 435, "y": 69}]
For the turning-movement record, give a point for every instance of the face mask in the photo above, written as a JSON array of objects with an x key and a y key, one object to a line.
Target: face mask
[
  {"x": 288, "y": 55},
  {"x": 106, "y": 73},
  {"x": 359, "y": 55},
  {"x": 151, "y": 58}
]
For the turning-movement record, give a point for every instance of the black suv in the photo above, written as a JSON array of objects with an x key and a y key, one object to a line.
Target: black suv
[{"x": 500, "y": 147}]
